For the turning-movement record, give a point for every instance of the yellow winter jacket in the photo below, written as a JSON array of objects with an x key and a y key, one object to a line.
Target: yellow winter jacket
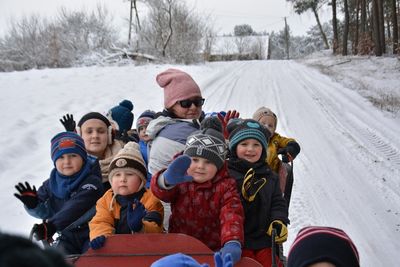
[
  {"x": 108, "y": 210},
  {"x": 275, "y": 143}
]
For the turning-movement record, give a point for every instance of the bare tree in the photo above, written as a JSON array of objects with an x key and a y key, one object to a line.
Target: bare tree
[
  {"x": 395, "y": 27},
  {"x": 346, "y": 27},
  {"x": 335, "y": 28},
  {"x": 301, "y": 6},
  {"x": 173, "y": 31}
]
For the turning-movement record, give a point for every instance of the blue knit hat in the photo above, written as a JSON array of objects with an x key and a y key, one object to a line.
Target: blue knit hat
[
  {"x": 122, "y": 115},
  {"x": 240, "y": 130},
  {"x": 67, "y": 142}
]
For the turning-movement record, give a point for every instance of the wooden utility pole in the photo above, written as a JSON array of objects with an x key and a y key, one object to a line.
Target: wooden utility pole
[{"x": 130, "y": 23}]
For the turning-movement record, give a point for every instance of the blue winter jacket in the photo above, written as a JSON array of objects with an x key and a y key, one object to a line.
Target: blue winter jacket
[{"x": 61, "y": 212}]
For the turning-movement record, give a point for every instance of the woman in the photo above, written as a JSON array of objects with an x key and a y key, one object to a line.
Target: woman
[
  {"x": 182, "y": 111},
  {"x": 98, "y": 135}
]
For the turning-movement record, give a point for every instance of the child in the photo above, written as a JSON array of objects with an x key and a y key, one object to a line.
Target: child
[
  {"x": 141, "y": 126},
  {"x": 323, "y": 246},
  {"x": 98, "y": 135},
  {"x": 277, "y": 144},
  {"x": 263, "y": 204},
  {"x": 204, "y": 200},
  {"x": 128, "y": 207},
  {"x": 72, "y": 189},
  {"x": 121, "y": 118}
]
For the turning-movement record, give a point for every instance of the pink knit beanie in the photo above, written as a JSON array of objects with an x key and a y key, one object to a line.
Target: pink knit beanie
[{"x": 178, "y": 85}]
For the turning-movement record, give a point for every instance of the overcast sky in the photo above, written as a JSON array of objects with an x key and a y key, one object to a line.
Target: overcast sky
[{"x": 260, "y": 14}]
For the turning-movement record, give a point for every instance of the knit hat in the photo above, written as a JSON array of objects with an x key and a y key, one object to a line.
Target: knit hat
[
  {"x": 67, "y": 142},
  {"x": 264, "y": 111},
  {"x": 240, "y": 130},
  {"x": 209, "y": 144},
  {"x": 315, "y": 244},
  {"x": 178, "y": 85},
  {"x": 145, "y": 118},
  {"x": 94, "y": 115},
  {"x": 212, "y": 122},
  {"x": 129, "y": 158},
  {"x": 122, "y": 115},
  {"x": 177, "y": 260}
]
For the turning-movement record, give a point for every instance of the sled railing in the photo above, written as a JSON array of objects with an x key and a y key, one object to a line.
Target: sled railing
[{"x": 143, "y": 249}]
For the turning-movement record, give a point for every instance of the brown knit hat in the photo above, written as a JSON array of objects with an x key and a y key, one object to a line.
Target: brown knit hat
[
  {"x": 130, "y": 158},
  {"x": 264, "y": 111}
]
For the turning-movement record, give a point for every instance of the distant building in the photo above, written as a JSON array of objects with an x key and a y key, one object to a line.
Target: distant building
[{"x": 225, "y": 48}]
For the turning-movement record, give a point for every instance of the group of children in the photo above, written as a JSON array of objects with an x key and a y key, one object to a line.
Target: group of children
[{"x": 222, "y": 189}]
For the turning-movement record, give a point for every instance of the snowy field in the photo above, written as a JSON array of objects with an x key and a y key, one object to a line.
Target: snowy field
[{"x": 347, "y": 174}]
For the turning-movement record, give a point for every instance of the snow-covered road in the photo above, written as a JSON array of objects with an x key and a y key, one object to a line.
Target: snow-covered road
[{"x": 347, "y": 174}]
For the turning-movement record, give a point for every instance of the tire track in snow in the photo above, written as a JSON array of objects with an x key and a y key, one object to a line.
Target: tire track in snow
[{"x": 354, "y": 127}]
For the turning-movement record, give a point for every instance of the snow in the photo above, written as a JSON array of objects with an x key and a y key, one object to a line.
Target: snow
[{"x": 346, "y": 176}]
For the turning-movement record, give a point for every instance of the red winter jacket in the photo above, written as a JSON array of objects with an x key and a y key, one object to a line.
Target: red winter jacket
[{"x": 211, "y": 211}]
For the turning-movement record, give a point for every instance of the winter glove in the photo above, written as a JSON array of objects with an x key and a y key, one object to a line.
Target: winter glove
[
  {"x": 135, "y": 214},
  {"x": 68, "y": 122},
  {"x": 175, "y": 173},
  {"x": 281, "y": 231},
  {"x": 251, "y": 185},
  {"x": 233, "y": 249},
  {"x": 43, "y": 231},
  {"x": 124, "y": 137},
  {"x": 223, "y": 262},
  {"x": 97, "y": 242},
  {"x": 289, "y": 152},
  {"x": 27, "y": 195},
  {"x": 225, "y": 119}
]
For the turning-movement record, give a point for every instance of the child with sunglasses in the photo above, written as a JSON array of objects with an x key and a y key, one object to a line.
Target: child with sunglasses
[
  {"x": 168, "y": 132},
  {"x": 264, "y": 206}
]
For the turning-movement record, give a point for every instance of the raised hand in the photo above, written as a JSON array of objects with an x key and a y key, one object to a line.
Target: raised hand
[
  {"x": 231, "y": 114},
  {"x": 68, "y": 122},
  {"x": 176, "y": 171},
  {"x": 27, "y": 195}
]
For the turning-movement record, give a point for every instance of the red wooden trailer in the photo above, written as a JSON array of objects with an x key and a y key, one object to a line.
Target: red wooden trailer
[{"x": 144, "y": 249}]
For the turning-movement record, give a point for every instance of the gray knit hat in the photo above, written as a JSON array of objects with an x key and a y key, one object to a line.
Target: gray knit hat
[
  {"x": 264, "y": 111},
  {"x": 209, "y": 144}
]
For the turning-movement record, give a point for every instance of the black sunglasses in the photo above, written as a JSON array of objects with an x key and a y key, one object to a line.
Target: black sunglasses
[{"x": 187, "y": 103}]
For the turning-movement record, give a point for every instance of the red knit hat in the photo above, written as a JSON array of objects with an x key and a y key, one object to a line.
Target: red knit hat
[
  {"x": 178, "y": 85},
  {"x": 315, "y": 244}
]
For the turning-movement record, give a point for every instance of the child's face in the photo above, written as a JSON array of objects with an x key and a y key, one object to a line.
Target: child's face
[
  {"x": 142, "y": 133},
  {"x": 202, "y": 170},
  {"x": 269, "y": 122},
  {"x": 125, "y": 182},
  {"x": 249, "y": 149},
  {"x": 95, "y": 134},
  {"x": 69, "y": 164}
]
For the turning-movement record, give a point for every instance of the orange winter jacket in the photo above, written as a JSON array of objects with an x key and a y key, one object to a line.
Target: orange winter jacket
[
  {"x": 275, "y": 143},
  {"x": 108, "y": 213}
]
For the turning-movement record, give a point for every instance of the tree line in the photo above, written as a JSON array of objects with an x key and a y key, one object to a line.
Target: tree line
[
  {"x": 368, "y": 27},
  {"x": 170, "y": 31}
]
